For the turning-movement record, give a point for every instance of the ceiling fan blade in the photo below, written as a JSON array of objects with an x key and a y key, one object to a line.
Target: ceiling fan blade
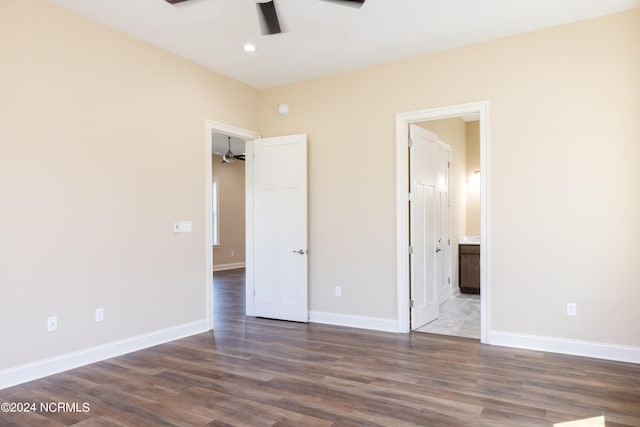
[
  {"x": 240, "y": 157},
  {"x": 269, "y": 22},
  {"x": 353, "y": 3},
  {"x": 174, "y": 1}
]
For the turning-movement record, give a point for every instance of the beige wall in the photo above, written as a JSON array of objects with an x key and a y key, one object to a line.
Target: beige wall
[
  {"x": 230, "y": 178},
  {"x": 563, "y": 182},
  {"x": 472, "y": 179},
  {"x": 101, "y": 151},
  {"x": 453, "y": 133}
]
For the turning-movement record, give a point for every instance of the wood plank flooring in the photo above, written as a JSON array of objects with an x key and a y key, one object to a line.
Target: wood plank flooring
[{"x": 259, "y": 372}]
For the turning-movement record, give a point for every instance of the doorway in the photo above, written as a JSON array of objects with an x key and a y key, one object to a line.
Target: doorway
[
  {"x": 272, "y": 165},
  {"x": 403, "y": 120},
  {"x": 458, "y": 304},
  {"x": 211, "y": 128},
  {"x": 228, "y": 202}
]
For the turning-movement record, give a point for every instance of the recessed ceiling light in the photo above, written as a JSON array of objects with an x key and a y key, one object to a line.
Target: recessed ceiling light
[{"x": 248, "y": 47}]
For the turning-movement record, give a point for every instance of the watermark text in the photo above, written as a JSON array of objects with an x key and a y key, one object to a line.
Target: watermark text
[{"x": 45, "y": 407}]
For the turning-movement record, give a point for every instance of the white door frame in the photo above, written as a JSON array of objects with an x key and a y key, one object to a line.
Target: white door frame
[
  {"x": 209, "y": 127},
  {"x": 402, "y": 209}
]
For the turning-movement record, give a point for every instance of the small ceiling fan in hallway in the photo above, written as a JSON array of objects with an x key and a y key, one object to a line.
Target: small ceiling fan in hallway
[
  {"x": 269, "y": 15},
  {"x": 229, "y": 157}
]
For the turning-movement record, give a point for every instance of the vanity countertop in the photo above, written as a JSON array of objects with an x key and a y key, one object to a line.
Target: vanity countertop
[{"x": 469, "y": 240}]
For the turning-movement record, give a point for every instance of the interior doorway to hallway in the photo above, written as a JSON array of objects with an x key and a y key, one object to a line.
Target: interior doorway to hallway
[
  {"x": 275, "y": 181},
  {"x": 474, "y": 111},
  {"x": 221, "y": 132},
  {"x": 228, "y": 202}
]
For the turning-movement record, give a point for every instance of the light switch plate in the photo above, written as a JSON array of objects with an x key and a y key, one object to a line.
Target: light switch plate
[{"x": 185, "y": 226}]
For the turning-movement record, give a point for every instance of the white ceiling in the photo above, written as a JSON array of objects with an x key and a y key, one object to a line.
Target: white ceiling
[{"x": 321, "y": 37}]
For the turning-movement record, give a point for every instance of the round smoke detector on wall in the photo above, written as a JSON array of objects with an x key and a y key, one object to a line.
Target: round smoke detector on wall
[{"x": 283, "y": 109}]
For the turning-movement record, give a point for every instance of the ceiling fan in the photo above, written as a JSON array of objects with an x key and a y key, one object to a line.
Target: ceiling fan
[
  {"x": 269, "y": 16},
  {"x": 229, "y": 157}
]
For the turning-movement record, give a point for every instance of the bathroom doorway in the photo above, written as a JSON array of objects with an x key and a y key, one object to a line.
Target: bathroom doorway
[
  {"x": 458, "y": 311},
  {"x": 463, "y": 114}
]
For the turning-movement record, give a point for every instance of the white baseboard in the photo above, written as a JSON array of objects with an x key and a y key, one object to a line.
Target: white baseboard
[
  {"x": 374, "y": 323},
  {"x": 42, "y": 368},
  {"x": 232, "y": 266},
  {"x": 566, "y": 346}
]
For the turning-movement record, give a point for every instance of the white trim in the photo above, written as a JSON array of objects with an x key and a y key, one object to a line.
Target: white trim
[
  {"x": 250, "y": 307},
  {"x": 211, "y": 126},
  {"x": 566, "y": 346},
  {"x": 208, "y": 211},
  {"x": 402, "y": 211},
  {"x": 42, "y": 368},
  {"x": 215, "y": 225},
  {"x": 232, "y": 131},
  {"x": 337, "y": 319},
  {"x": 231, "y": 266}
]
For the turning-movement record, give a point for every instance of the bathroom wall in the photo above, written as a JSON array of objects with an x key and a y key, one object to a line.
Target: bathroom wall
[{"x": 472, "y": 135}]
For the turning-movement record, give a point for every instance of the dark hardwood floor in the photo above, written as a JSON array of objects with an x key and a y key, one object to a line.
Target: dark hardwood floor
[{"x": 259, "y": 372}]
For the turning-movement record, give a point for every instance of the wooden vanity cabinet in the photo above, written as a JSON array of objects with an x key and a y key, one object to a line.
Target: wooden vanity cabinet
[{"x": 469, "y": 268}]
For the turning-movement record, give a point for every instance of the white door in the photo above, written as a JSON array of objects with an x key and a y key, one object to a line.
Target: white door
[
  {"x": 443, "y": 237},
  {"x": 422, "y": 219},
  {"x": 279, "y": 227}
]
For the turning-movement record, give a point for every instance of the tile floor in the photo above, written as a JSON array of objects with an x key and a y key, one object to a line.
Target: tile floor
[{"x": 459, "y": 316}]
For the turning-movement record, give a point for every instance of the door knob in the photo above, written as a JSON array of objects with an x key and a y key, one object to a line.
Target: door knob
[
  {"x": 300, "y": 251},
  {"x": 438, "y": 250}
]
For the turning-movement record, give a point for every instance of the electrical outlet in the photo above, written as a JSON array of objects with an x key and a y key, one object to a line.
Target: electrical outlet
[
  {"x": 338, "y": 291},
  {"x": 571, "y": 309},
  {"x": 99, "y": 314},
  {"x": 233, "y": 253},
  {"x": 52, "y": 323}
]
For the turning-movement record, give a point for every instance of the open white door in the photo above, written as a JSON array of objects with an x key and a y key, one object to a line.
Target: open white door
[
  {"x": 423, "y": 228},
  {"x": 279, "y": 227},
  {"x": 443, "y": 236}
]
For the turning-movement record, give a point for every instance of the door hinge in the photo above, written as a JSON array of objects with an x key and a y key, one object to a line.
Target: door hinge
[
  {"x": 411, "y": 303},
  {"x": 449, "y": 242},
  {"x": 410, "y": 142},
  {"x": 449, "y": 280},
  {"x": 449, "y": 164},
  {"x": 410, "y": 250},
  {"x": 410, "y": 196}
]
